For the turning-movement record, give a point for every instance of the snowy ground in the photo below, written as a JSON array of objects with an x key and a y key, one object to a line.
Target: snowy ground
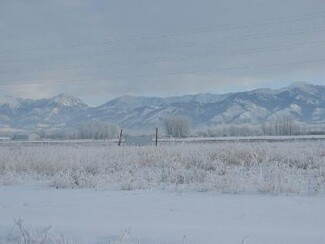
[
  {"x": 145, "y": 216},
  {"x": 175, "y": 193}
]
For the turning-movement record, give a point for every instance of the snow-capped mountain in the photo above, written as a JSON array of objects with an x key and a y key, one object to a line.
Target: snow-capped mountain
[
  {"x": 58, "y": 111},
  {"x": 301, "y": 101}
]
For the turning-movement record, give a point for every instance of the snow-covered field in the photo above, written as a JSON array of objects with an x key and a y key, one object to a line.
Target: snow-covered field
[
  {"x": 146, "y": 216},
  {"x": 175, "y": 193}
]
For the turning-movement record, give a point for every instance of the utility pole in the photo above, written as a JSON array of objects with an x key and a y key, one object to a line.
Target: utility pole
[{"x": 156, "y": 136}]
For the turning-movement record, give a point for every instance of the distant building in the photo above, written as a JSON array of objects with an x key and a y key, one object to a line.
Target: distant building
[
  {"x": 4, "y": 138},
  {"x": 138, "y": 140},
  {"x": 33, "y": 137},
  {"x": 20, "y": 137}
]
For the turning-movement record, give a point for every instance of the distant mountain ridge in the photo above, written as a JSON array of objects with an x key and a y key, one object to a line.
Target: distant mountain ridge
[{"x": 302, "y": 101}]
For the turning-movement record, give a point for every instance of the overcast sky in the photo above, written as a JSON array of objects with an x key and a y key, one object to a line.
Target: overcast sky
[{"x": 101, "y": 49}]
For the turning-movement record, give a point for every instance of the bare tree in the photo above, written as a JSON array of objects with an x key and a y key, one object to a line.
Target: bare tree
[
  {"x": 97, "y": 130},
  {"x": 281, "y": 126},
  {"x": 177, "y": 126}
]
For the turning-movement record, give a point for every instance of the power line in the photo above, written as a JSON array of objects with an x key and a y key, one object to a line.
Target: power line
[
  {"x": 182, "y": 45},
  {"x": 92, "y": 79},
  {"x": 183, "y": 58},
  {"x": 271, "y": 21}
]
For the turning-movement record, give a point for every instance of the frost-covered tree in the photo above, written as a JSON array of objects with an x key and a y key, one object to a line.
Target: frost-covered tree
[
  {"x": 281, "y": 126},
  {"x": 177, "y": 126},
  {"x": 97, "y": 130}
]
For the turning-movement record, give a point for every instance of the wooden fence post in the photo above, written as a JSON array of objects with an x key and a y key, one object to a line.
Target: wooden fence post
[{"x": 120, "y": 139}]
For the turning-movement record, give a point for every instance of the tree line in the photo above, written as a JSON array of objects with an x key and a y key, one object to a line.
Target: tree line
[{"x": 180, "y": 127}]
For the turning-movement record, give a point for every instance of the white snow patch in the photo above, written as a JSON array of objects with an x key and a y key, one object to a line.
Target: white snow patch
[{"x": 89, "y": 216}]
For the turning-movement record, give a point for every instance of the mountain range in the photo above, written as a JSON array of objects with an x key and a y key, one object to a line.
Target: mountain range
[{"x": 303, "y": 102}]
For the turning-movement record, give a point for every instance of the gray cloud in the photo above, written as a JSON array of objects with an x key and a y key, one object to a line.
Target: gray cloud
[{"x": 99, "y": 50}]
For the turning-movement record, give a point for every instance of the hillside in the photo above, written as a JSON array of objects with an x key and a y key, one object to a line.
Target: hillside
[{"x": 301, "y": 101}]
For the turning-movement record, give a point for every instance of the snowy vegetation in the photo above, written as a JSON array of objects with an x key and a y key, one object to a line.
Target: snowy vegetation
[
  {"x": 177, "y": 126},
  {"x": 24, "y": 234},
  {"x": 97, "y": 130},
  {"x": 282, "y": 167}
]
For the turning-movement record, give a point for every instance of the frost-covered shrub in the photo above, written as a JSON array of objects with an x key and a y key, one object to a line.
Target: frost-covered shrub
[
  {"x": 24, "y": 234},
  {"x": 282, "y": 167},
  {"x": 76, "y": 179},
  {"x": 8, "y": 178}
]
